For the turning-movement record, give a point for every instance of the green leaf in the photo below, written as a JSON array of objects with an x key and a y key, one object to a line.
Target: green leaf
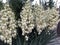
[{"x": 34, "y": 39}]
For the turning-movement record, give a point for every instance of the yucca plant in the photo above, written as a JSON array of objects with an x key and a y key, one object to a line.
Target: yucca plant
[
  {"x": 37, "y": 17},
  {"x": 36, "y": 25}
]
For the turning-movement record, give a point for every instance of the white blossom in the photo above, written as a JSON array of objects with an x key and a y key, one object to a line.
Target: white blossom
[
  {"x": 7, "y": 24},
  {"x": 4, "y": 1},
  {"x": 26, "y": 38}
]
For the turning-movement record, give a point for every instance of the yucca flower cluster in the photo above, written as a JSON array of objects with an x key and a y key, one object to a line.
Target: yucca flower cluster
[
  {"x": 37, "y": 16},
  {"x": 45, "y": 18},
  {"x": 27, "y": 23},
  {"x": 7, "y": 24}
]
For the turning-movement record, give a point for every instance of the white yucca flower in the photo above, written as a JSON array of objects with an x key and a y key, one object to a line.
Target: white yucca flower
[
  {"x": 45, "y": 18},
  {"x": 4, "y": 1},
  {"x": 27, "y": 23},
  {"x": 7, "y": 22},
  {"x": 26, "y": 37}
]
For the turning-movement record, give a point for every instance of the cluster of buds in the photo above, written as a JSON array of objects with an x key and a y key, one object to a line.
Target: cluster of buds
[
  {"x": 45, "y": 18},
  {"x": 7, "y": 24},
  {"x": 27, "y": 23},
  {"x": 37, "y": 17}
]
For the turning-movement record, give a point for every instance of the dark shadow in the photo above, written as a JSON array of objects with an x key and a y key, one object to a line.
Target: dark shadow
[
  {"x": 19, "y": 39},
  {"x": 59, "y": 11},
  {"x": 1, "y": 6},
  {"x": 58, "y": 29},
  {"x": 2, "y": 43},
  {"x": 45, "y": 6},
  {"x": 16, "y": 6},
  {"x": 13, "y": 41},
  {"x": 51, "y": 4}
]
